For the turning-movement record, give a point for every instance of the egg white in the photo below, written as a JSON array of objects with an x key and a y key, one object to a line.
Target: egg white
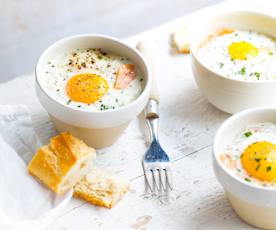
[
  {"x": 259, "y": 132},
  {"x": 58, "y": 72},
  {"x": 214, "y": 54}
]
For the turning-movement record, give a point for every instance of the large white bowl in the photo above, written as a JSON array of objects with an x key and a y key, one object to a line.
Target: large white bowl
[
  {"x": 227, "y": 94},
  {"x": 99, "y": 128},
  {"x": 254, "y": 204}
]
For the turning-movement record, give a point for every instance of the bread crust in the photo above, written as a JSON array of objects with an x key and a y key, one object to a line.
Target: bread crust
[
  {"x": 181, "y": 40},
  {"x": 59, "y": 164}
]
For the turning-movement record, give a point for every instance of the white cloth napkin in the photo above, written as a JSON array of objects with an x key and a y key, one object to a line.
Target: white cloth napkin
[{"x": 24, "y": 202}]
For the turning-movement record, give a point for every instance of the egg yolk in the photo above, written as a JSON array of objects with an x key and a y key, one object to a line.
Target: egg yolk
[
  {"x": 86, "y": 88},
  {"x": 259, "y": 160},
  {"x": 242, "y": 50}
]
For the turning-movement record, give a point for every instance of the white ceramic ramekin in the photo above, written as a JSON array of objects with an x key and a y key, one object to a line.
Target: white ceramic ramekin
[
  {"x": 254, "y": 204},
  {"x": 227, "y": 94},
  {"x": 100, "y": 128}
]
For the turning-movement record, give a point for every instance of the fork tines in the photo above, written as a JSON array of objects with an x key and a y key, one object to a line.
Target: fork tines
[
  {"x": 156, "y": 165},
  {"x": 157, "y": 179}
]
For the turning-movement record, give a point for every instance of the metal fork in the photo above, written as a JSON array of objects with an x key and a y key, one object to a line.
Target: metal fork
[{"x": 156, "y": 162}]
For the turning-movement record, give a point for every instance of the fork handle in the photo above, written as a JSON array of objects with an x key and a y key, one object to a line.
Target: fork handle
[
  {"x": 148, "y": 50},
  {"x": 152, "y": 115}
]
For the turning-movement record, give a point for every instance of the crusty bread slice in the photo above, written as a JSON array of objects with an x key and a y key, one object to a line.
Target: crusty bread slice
[
  {"x": 62, "y": 163},
  {"x": 101, "y": 188},
  {"x": 181, "y": 39}
]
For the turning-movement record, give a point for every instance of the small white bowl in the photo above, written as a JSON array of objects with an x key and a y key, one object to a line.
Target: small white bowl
[
  {"x": 230, "y": 95},
  {"x": 99, "y": 128},
  {"x": 254, "y": 204}
]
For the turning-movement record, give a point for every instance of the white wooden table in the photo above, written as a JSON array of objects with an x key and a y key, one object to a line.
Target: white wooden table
[{"x": 187, "y": 126}]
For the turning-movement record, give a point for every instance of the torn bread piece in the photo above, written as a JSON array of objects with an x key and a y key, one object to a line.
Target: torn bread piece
[
  {"x": 101, "y": 188},
  {"x": 62, "y": 163},
  {"x": 181, "y": 39}
]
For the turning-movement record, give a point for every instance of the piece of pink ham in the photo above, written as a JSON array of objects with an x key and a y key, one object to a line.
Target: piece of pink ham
[{"x": 125, "y": 75}]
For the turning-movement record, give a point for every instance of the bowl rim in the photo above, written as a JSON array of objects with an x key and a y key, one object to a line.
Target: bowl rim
[
  {"x": 101, "y": 36},
  {"x": 216, "y": 154},
  {"x": 245, "y": 12}
]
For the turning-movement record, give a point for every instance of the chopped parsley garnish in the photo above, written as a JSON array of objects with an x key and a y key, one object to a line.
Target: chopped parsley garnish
[
  {"x": 248, "y": 134},
  {"x": 221, "y": 65},
  {"x": 68, "y": 102},
  {"x": 247, "y": 179},
  {"x": 270, "y": 53},
  {"x": 104, "y": 107},
  {"x": 257, "y": 75},
  {"x": 242, "y": 71},
  {"x": 268, "y": 168},
  {"x": 258, "y": 166}
]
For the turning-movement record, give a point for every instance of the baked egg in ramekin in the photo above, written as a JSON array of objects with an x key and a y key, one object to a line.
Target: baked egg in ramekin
[
  {"x": 93, "y": 86},
  {"x": 244, "y": 160},
  {"x": 233, "y": 60}
]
